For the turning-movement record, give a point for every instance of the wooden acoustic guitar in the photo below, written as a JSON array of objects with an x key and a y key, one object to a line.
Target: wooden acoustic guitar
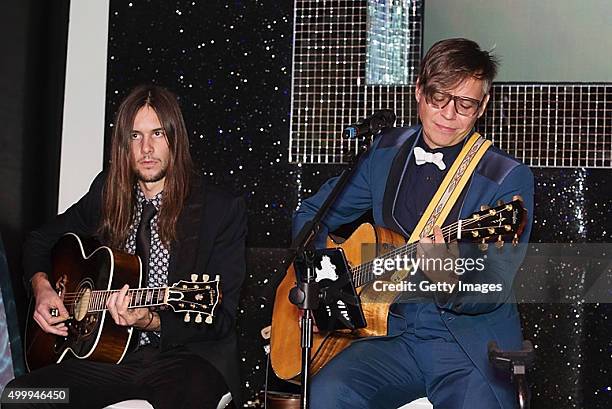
[
  {"x": 84, "y": 282},
  {"x": 490, "y": 224}
]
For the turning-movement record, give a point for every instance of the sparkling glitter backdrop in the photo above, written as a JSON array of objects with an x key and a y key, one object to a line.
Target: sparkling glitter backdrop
[{"x": 230, "y": 63}]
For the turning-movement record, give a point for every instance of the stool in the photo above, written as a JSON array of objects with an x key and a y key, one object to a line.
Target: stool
[
  {"x": 279, "y": 400},
  {"x": 421, "y": 403},
  {"x": 143, "y": 404},
  {"x": 282, "y": 400}
]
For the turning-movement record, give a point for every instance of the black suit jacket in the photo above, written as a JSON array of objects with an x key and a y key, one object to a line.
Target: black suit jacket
[{"x": 211, "y": 234}]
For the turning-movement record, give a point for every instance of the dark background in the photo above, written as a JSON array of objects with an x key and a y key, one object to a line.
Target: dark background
[
  {"x": 230, "y": 63},
  {"x": 33, "y": 45}
]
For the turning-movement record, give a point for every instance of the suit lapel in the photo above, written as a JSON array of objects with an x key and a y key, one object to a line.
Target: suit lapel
[
  {"x": 185, "y": 250},
  {"x": 394, "y": 181}
]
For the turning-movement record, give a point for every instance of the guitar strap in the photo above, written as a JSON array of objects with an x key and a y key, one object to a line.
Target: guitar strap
[{"x": 451, "y": 187}]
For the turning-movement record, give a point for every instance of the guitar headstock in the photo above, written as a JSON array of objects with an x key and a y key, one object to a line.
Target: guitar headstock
[
  {"x": 199, "y": 297},
  {"x": 506, "y": 220}
]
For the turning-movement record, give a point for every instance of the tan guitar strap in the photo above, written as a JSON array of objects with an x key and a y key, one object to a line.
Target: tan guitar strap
[{"x": 453, "y": 184}]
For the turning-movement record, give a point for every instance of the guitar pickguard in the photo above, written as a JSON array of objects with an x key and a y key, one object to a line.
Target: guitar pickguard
[{"x": 83, "y": 325}]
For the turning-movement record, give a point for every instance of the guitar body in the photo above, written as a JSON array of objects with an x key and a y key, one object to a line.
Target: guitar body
[
  {"x": 505, "y": 221},
  {"x": 91, "y": 335},
  {"x": 285, "y": 347}
]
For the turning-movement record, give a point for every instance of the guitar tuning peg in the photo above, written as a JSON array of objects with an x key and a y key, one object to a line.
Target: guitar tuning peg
[
  {"x": 208, "y": 320},
  {"x": 517, "y": 197},
  {"x": 194, "y": 277},
  {"x": 205, "y": 277},
  {"x": 187, "y": 317},
  {"x": 483, "y": 246},
  {"x": 499, "y": 243},
  {"x": 500, "y": 203},
  {"x": 515, "y": 240},
  {"x": 491, "y": 230},
  {"x": 484, "y": 207},
  {"x": 217, "y": 277},
  {"x": 198, "y": 318}
]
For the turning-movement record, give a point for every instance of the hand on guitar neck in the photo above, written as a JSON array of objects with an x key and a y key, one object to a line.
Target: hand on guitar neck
[
  {"x": 438, "y": 249},
  {"x": 141, "y": 318},
  {"x": 47, "y": 301}
]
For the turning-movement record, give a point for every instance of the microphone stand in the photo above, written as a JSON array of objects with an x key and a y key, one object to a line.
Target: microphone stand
[
  {"x": 365, "y": 130},
  {"x": 306, "y": 294}
]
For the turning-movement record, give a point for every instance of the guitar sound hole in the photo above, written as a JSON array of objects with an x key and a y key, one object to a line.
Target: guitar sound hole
[{"x": 81, "y": 305}]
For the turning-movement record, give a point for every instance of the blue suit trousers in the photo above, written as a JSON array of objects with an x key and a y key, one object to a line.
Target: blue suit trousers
[{"x": 386, "y": 373}]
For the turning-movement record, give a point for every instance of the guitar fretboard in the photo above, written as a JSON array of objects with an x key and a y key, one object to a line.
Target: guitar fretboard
[
  {"x": 364, "y": 273},
  {"x": 144, "y": 297},
  {"x": 341, "y": 74}
]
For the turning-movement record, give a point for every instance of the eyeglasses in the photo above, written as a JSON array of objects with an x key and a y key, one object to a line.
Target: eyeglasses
[{"x": 463, "y": 105}]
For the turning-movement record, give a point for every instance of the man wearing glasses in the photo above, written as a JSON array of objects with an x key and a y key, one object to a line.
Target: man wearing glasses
[{"x": 437, "y": 343}]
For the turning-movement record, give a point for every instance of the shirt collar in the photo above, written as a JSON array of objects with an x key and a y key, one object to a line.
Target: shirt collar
[
  {"x": 141, "y": 198},
  {"x": 450, "y": 152}
]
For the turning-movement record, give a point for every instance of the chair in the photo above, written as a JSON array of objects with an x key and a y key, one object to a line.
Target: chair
[
  {"x": 516, "y": 363},
  {"x": 513, "y": 362},
  {"x": 143, "y": 404},
  {"x": 10, "y": 339}
]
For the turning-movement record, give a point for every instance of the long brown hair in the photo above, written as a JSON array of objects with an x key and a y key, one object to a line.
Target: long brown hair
[{"x": 119, "y": 198}]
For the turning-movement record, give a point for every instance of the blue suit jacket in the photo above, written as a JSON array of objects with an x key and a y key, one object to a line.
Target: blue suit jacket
[{"x": 472, "y": 322}]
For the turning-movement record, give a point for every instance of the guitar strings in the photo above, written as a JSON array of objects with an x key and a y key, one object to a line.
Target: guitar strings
[
  {"x": 363, "y": 273},
  {"x": 98, "y": 298},
  {"x": 70, "y": 298},
  {"x": 132, "y": 290},
  {"x": 97, "y": 301},
  {"x": 407, "y": 248}
]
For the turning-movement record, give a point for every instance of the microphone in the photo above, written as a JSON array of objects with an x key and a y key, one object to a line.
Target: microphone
[{"x": 370, "y": 125}]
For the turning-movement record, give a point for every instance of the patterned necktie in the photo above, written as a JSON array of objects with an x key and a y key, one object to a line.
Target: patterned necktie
[
  {"x": 421, "y": 156},
  {"x": 143, "y": 236}
]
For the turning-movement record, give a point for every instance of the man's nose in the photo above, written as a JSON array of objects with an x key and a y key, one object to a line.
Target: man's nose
[
  {"x": 147, "y": 145},
  {"x": 448, "y": 112}
]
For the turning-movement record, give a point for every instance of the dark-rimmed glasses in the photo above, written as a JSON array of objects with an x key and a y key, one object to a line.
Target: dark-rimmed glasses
[{"x": 464, "y": 106}]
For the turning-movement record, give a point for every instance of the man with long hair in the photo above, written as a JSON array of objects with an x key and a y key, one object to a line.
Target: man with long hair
[
  {"x": 194, "y": 227},
  {"x": 437, "y": 340}
]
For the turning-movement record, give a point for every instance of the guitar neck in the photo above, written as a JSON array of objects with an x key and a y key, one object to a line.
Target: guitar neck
[
  {"x": 501, "y": 221},
  {"x": 139, "y": 298},
  {"x": 364, "y": 273}
]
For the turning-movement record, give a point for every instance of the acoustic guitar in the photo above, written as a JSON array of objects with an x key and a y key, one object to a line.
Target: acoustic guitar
[
  {"x": 506, "y": 221},
  {"x": 84, "y": 281}
]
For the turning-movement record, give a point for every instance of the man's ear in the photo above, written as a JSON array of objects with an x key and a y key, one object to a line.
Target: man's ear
[
  {"x": 417, "y": 91},
  {"x": 483, "y": 106}
]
